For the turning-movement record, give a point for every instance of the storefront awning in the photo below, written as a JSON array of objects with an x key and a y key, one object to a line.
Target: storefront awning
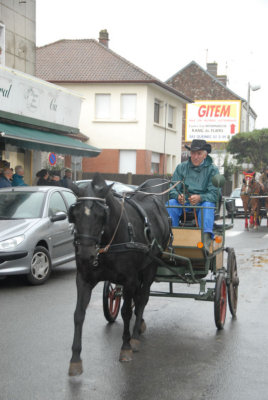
[{"x": 34, "y": 139}]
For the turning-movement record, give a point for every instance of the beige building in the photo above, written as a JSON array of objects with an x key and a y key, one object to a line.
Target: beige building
[
  {"x": 17, "y": 35},
  {"x": 132, "y": 116}
]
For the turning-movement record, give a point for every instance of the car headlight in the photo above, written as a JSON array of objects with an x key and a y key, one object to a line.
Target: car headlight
[{"x": 11, "y": 243}]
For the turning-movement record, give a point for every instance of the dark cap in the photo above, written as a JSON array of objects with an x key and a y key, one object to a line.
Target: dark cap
[
  {"x": 199, "y": 144},
  {"x": 68, "y": 170},
  {"x": 42, "y": 173}
]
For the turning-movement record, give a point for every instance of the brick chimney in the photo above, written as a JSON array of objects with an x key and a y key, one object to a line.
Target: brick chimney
[
  {"x": 104, "y": 37},
  {"x": 222, "y": 79},
  {"x": 212, "y": 68}
]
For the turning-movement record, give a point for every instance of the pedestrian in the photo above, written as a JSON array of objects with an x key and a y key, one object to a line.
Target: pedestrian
[
  {"x": 68, "y": 182},
  {"x": 17, "y": 179},
  {"x": 67, "y": 178},
  {"x": 54, "y": 179},
  {"x": 43, "y": 177},
  {"x": 263, "y": 180},
  {"x": 197, "y": 188},
  {"x": 5, "y": 177}
]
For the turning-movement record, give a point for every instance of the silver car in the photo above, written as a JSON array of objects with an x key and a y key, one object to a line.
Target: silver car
[
  {"x": 238, "y": 206},
  {"x": 35, "y": 234}
]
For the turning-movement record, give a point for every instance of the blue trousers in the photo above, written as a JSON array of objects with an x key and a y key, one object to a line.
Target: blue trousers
[{"x": 208, "y": 214}]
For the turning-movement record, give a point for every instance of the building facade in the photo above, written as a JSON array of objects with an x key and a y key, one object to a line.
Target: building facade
[
  {"x": 38, "y": 121},
  {"x": 208, "y": 87},
  {"x": 133, "y": 117},
  {"x": 17, "y": 34}
]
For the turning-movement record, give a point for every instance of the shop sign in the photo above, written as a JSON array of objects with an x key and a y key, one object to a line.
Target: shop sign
[
  {"x": 214, "y": 121},
  {"x": 31, "y": 97}
]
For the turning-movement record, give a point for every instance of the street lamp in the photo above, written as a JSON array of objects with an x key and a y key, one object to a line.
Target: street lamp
[{"x": 253, "y": 88}]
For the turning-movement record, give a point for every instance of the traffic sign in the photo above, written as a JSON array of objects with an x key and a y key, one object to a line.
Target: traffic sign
[{"x": 52, "y": 158}]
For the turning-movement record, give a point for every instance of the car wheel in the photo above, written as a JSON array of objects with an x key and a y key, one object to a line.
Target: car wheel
[{"x": 40, "y": 268}]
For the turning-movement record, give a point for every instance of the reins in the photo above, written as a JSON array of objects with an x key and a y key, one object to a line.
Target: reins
[{"x": 106, "y": 248}]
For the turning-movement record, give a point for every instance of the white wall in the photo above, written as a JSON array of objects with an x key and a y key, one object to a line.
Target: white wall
[
  {"x": 113, "y": 133},
  {"x": 160, "y": 138},
  {"x": 139, "y": 134}
]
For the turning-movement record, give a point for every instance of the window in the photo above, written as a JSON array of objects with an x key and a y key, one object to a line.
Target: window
[
  {"x": 128, "y": 106},
  {"x": 155, "y": 163},
  {"x": 56, "y": 204},
  {"x": 170, "y": 116},
  {"x": 70, "y": 198},
  {"x": 103, "y": 106},
  {"x": 127, "y": 161},
  {"x": 156, "y": 111},
  {"x": 2, "y": 44}
]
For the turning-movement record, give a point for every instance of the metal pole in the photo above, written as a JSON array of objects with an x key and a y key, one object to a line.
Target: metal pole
[
  {"x": 248, "y": 100},
  {"x": 165, "y": 134}
]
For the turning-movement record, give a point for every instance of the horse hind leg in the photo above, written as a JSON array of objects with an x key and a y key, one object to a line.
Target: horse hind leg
[
  {"x": 141, "y": 299},
  {"x": 84, "y": 291}
]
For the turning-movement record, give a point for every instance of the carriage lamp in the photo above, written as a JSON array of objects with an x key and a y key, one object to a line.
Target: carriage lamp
[{"x": 218, "y": 239}]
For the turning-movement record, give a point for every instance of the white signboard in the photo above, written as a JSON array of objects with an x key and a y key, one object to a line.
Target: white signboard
[
  {"x": 212, "y": 120},
  {"x": 32, "y": 97}
]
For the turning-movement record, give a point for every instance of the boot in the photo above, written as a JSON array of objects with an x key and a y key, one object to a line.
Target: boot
[{"x": 207, "y": 241}]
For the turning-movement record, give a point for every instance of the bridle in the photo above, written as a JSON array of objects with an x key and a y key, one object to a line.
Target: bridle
[{"x": 85, "y": 239}]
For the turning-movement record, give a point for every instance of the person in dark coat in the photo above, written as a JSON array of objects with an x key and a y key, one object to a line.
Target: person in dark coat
[
  {"x": 54, "y": 179},
  {"x": 5, "y": 178},
  {"x": 43, "y": 177},
  {"x": 68, "y": 182}
]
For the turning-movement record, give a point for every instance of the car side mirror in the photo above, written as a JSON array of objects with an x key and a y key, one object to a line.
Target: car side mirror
[{"x": 59, "y": 216}]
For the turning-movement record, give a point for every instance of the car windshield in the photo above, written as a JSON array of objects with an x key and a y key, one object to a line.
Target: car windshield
[
  {"x": 236, "y": 193},
  {"x": 20, "y": 205}
]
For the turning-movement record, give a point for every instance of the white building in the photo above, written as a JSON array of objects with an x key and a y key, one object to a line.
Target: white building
[{"x": 132, "y": 116}]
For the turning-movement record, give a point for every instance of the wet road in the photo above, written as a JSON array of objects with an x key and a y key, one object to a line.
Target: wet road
[{"x": 182, "y": 356}]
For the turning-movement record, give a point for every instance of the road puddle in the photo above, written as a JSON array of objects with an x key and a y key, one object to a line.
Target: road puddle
[{"x": 259, "y": 260}]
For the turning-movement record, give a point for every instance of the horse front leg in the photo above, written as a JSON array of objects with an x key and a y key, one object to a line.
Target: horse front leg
[
  {"x": 126, "y": 312},
  {"x": 84, "y": 290}
]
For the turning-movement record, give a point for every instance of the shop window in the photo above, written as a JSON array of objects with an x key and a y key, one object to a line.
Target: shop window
[
  {"x": 2, "y": 44},
  {"x": 103, "y": 106}
]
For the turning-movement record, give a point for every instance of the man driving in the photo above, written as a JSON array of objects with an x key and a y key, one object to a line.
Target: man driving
[{"x": 196, "y": 187}]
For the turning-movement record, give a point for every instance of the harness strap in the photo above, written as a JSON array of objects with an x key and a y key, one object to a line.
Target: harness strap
[{"x": 106, "y": 248}]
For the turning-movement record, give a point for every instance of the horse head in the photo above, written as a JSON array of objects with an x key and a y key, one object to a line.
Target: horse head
[
  {"x": 248, "y": 182},
  {"x": 89, "y": 215}
]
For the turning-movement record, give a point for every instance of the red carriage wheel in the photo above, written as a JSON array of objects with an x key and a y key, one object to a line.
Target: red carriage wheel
[
  {"x": 112, "y": 295},
  {"x": 233, "y": 281},
  {"x": 220, "y": 301}
]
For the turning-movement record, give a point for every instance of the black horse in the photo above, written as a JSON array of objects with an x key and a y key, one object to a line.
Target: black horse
[{"x": 118, "y": 240}]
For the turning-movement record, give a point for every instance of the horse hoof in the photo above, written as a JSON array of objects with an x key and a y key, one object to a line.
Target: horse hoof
[
  {"x": 76, "y": 368},
  {"x": 135, "y": 345},
  {"x": 142, "y": 327},
  {"x": 125, "y": 355}
]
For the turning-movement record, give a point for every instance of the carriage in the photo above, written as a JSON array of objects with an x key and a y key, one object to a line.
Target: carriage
[
  {"x": 128, "y": 243},
  {"x": 213, "y": 270}
]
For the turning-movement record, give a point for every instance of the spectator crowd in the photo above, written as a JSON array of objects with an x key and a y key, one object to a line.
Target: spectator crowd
[{"x": 9, "y": 177}]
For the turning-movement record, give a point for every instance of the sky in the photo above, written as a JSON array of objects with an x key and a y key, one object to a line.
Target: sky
[{"x": 162, "y": 37}]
